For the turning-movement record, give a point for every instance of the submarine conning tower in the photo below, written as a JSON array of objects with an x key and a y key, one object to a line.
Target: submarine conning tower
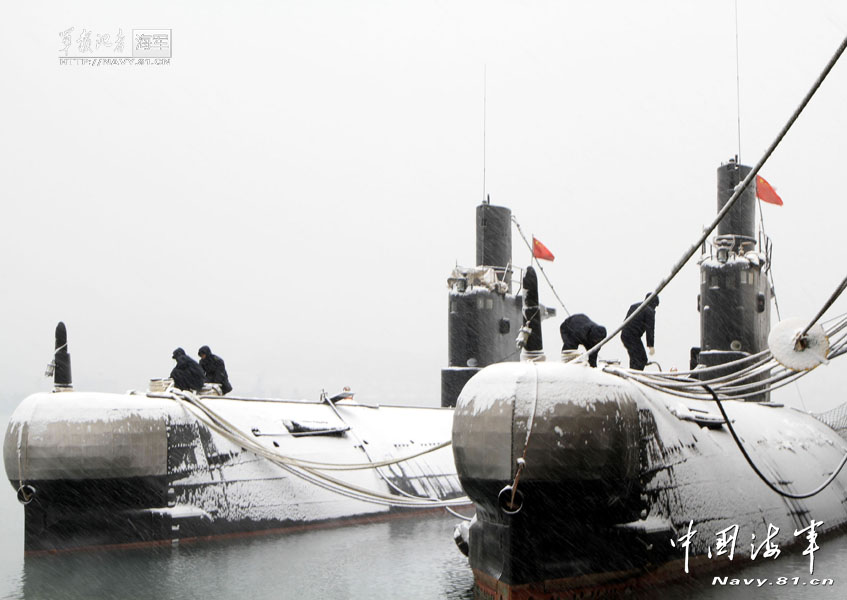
[
  {"x": 735, "y": 294},
  {"x": 484, "y": 316}
]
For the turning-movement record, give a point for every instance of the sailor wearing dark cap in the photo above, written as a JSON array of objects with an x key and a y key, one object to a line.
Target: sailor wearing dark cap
[
  {"x": 214, "y": 368},
  {"x": 187, "y": 374},
  {"x": 644, "y": 322}
]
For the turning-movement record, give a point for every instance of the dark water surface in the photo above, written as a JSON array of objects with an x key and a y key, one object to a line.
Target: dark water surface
[{"x": 405, "y": 558}]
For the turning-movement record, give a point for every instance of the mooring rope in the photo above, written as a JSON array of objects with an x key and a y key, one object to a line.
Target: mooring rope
[
  {"x": 833, "y": 297},
  {"x": 295, "y": 461},
  {"x": 753, "y": 466},
  {"x": 741, "y": 382},
  {"x": 521, "y": 462},
  {"x": 740, "y": 445},
  {"x": 377, "y": 470},
  {"x": 300, "y": 469}
]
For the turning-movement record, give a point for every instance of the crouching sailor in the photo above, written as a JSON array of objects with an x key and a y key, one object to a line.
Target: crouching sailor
[
  {"x": 579, "y": 330},
  {"x": 187, "y": 374},
  {"x": 214, "y": 368}
]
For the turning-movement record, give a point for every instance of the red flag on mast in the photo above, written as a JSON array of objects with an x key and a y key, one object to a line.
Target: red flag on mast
[
  {"x": 766, "y": 193},
  {"x": 539, "y": 250}
]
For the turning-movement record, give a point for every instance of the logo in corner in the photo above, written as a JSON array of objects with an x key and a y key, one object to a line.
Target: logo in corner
[{"x": 151, "y": 43}]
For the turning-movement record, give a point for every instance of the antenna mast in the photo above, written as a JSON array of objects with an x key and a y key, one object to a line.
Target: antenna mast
[
  {"x": 484, "y": 116},
  {"x": 737, "y": 84}
]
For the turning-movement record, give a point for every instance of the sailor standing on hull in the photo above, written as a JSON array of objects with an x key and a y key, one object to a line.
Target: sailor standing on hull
[{"x": 631, "y": 335}]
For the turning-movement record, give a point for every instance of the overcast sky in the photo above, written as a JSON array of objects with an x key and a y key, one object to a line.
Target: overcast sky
[{"x": 295, "y": 187}]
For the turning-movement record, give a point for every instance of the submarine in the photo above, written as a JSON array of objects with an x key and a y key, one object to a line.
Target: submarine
[{"x": 598, "y": 481}]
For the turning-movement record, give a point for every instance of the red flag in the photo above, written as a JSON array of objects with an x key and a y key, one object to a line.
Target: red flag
[
  {"x": 766, "y": 193},
  {"x": 539, "y": 250}
]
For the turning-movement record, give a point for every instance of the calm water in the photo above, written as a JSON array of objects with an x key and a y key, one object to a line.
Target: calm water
[{"x": 406, "y": 558}]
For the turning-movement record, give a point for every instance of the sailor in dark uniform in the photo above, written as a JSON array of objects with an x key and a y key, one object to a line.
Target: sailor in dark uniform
[
  {"x": 645, "y": 322},
  {"x": 579, "y": 330},
  {"x": 187, "y": 374},
  {"x": 214, "y": 368}
]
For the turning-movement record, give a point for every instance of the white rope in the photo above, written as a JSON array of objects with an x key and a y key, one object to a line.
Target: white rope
[
  {"x": 311, "y": 475},
  {"x": 521, "y": 462},
  {"x": 682, "y": 379},
  {"x": 228, "y": 426},
  {"x": 738, "y": 384},
  {"x": 299, "y": 468},
  {"x": 455, "y": 514},
  {"x": 382, "y": 476}
]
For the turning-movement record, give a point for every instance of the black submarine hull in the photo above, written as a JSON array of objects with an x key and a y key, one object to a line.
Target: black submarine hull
[
  {"x": 614, "y": 474},
  {"x": 98, "y": 471}
]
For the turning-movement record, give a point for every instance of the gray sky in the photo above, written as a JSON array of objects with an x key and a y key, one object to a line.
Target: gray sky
[{"x": 295, "y": 187}]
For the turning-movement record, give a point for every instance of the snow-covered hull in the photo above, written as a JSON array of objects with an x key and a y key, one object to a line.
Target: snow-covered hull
[
  {"x": 109, "y": 469},
  {"x": 616, "y": 471}
]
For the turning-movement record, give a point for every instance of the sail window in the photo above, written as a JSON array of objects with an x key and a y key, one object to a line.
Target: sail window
[{"x": 730, "y": 281}]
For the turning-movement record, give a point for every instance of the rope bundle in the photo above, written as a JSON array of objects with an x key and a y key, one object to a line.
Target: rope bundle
[{"x": 754, "y": 374}]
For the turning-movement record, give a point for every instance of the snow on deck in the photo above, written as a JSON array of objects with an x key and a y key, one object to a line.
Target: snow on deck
[{"x": 80, "y": 435}]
